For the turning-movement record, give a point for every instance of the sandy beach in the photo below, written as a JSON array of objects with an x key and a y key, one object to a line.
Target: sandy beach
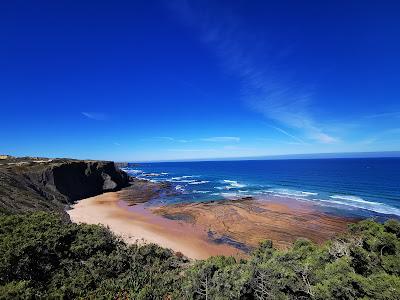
[
  {"x": 201, "y": 230},
  {"x": 136, "y": 224}
]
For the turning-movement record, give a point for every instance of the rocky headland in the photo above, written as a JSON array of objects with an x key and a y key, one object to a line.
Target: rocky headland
[{"x": 34, "y": 183}]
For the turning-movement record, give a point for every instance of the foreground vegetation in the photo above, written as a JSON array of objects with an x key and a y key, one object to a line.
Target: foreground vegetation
[{"x": 43, "y": 256}]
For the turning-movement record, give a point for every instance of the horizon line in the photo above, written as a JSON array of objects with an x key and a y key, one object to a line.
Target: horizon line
[{"x": 319, "y": 155}]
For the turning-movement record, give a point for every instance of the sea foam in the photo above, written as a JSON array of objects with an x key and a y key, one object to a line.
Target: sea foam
[
  {"x": 351, "y": 198},
  {"x": 291, "y": 193},
  {"x": 199, "y": 182},
  {"x": 201, "y": 192},
  {"x": 179, "y": 188},
  {"x": 358, "y": 202},
  {"x": 134, "y": 171}
]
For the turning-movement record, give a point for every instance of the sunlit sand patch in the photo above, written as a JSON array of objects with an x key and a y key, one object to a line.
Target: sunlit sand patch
[{"x": 137, "y": 224}]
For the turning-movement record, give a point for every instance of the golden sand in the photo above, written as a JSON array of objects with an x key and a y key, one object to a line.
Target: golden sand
[{"x": 139, "y": 225}]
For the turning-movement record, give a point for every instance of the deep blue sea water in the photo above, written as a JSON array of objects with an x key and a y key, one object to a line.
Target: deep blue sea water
[{"x": 358, "y": 187}]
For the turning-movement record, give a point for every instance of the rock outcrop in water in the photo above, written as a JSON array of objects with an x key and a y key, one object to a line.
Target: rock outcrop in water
[{"x": 29, "y": 184}]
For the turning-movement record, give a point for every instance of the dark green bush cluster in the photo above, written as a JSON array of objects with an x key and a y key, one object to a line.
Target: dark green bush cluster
[
  {"x": 363, "y": 264},
  {"x": 43, "y": 256}
]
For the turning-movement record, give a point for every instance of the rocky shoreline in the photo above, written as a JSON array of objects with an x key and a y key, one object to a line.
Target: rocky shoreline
[
  {"x": 245, "y": 222},
  {"x": 141, "y": 191}
]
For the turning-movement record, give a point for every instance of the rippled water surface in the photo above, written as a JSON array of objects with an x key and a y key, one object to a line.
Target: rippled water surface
[{"x": 367, "y": 186}]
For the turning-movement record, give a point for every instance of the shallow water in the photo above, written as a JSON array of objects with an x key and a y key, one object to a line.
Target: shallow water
[{"x": 354, "y": 187}]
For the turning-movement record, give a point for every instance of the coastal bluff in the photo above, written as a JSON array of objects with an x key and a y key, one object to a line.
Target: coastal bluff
[{"x": 33, "y": 183}]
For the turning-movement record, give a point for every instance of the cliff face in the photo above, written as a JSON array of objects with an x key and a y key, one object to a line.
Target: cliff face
[
  {"x": 77, "y": 180},
  {"x": 30, "y": 184}
]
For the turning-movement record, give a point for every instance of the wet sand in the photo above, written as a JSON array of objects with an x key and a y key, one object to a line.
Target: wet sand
[
  {"x": 201, "y": 230},
  {"x": 249, "y": 221}
]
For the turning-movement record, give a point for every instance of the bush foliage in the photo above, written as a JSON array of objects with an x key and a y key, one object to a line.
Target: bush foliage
[{"x": 43, "y": 256}]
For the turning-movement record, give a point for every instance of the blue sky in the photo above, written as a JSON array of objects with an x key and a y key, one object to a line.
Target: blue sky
[{"x": 165, "y": 80}]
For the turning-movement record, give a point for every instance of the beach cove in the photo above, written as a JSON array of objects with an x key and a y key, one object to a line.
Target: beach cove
[{"x": 204, "y": 229}]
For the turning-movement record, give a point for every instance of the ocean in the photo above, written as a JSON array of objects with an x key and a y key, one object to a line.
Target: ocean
[{"x": 357, "y": 187}]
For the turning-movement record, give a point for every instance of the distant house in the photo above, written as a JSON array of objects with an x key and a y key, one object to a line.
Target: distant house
[{"x": 5, "y": 156}]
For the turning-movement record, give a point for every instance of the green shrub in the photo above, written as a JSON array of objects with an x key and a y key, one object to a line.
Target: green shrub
[{"x": 43, "y": 256}]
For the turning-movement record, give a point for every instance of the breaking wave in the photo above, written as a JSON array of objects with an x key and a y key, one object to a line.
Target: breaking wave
[
  {"x": 358, "y": 202},
  {"x": 291, "y": 193},
  {"x": 199, "y": 182}
]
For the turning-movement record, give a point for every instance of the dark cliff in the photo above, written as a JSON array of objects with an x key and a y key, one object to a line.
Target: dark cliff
[{"x": 29, "y": 184}]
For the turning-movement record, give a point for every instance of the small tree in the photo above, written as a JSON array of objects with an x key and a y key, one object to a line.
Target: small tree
[
  {"x": 204, "y": 287},
  {"x": 260, "y": 285}
]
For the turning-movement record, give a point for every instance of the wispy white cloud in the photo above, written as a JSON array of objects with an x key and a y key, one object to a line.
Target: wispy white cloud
[
  {"x": 165, "y": 138},
  {"x": 384, "y": 115},
  {"x": 236, "y": 148},
  {"x": 323, "y": 137},
  {"x": 266, "y": 86},
  {"x": 217, "y": 139},
  {"x": 222, "y": 139},
  {"x": 169, "y": 139},
  {"x": 191, "y": 150},
  {"x": 393, "y": 131},
  {"x": 288, "y": 134},
  {"x": 369, "y": 141},
  {"x": 385, "y": 135},
  {"x": 95, "y": 116},
  {"x": 221, "y": 150}
]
